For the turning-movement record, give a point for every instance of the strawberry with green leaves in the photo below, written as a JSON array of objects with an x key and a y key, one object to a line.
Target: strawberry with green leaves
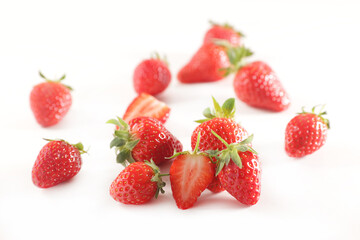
[
  {"x": 190, "y": 174},
  {"x": 224, "y": 32},
  {"x": 221, "y": 120},
  {"x": 144, "y": 138},
  {"x": 57, "y": 162},
  {"x": 306, "y": 133},
  {"x": 138, "y": 183}
]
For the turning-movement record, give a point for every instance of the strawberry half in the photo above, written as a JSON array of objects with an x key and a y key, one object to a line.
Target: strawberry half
[
  {"x": 190, "y": 174},
  {"x": 147, "y": 106}
]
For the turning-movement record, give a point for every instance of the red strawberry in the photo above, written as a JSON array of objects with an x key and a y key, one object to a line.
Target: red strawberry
[
  {"x": 306, "y": 133},
  {"x": 190, "y": 174},
  {"x": 225, "y": 32},
  {"x": 137, "y": 184},
  {"x": 143, "y": 139},
  {"x": 50, "y": 101},
  {"x": 58, "y": 161},
  {"x": 206, "y": 65},
  {"x": 239, "y": 171},
  {"x": 221, "y": 120},
  {"x": 152, "y": 76},
  {"x": 257, "y": 85},
  {"x": 149, "y": 106}
]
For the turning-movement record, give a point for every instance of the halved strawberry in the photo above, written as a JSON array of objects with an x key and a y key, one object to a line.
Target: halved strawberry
[
  {"x": 148, "y": 106},
  {"x": 190, "y": 174}
]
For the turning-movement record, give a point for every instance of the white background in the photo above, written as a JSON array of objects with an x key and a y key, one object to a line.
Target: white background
[{"x": 312, "y": 45}]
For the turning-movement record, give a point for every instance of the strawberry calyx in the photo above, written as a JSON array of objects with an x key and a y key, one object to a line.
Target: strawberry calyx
[
  {"x": 156, "y": 55},
  {"x": 123, "y": 142},
  {"x": 55, "y": 81},
  {"x": 231, "y": 152},
  {"x": 320, "y": 113},
  {"x": 79, "y": 146},
  {"x": 227, "y": 110},
  {"x": 226, "y": 25},
  {"x": 236, "y": 55},
  {"x": 157, "y": 177}
]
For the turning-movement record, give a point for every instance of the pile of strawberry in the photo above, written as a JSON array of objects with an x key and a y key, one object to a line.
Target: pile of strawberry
[{"x": 222, "y": 156}]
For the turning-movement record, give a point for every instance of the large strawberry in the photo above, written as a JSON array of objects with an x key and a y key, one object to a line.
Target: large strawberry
[
  {"x": 58, "y": 161},
  {"x": 50, "y": 101},
  {"x": 190, "y": 174},
  {"x": 143, "y": 139},
  {"x": 148, "y": 106},
  {"x": 152, "y": 76},
  {"x": 221, "y": 120},
  {"x": 225, "y": 32},
  {"x": 306, "y": 133},
  {"x": 138, "y": 183},
  {"x": 239, "y": 171}
]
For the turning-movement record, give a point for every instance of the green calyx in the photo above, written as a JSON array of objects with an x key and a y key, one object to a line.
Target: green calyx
[
  {"x": 320, "y": 113},
  {"x": 231, "y": 152},
  {"x": 123, "y": 142},
  {"x": 227, "y": 110},
  {"x": 55, "y": 81},
  {"x": 236, "y": 55},
  {"x": 157, "y": 177},
  {"x": 156, "y": 55},
  {"x": 226, "y": 25},
  {"x": 79, "y": 146}
]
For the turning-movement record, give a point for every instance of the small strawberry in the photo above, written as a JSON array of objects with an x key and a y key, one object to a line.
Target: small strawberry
[
  {"x": 144, "y": 138},
  {"x": 221, "y": 120},
  {"x": 239, "y": 171},
  {"x": 225, "y": 32},
  {"x": 190, "y": 174},
  {"x": 148, "y": 106},
  {"x": 50, "y": 101},
  {"x": 138, "y": 183},
  {"x": 306, "y": 133},
  {"x": 206, "y": 65},
  {"x": 58, "y": 161},
  {"x": 152, "y": 76}
]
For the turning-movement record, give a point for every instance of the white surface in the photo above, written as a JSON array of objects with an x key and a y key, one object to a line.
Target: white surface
[{"x": 312, "y": 45}]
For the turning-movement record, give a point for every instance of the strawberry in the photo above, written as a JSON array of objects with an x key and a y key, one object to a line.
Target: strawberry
[
  {"x": 190, "y": 174},
  {"x": 149, "y": 106},
  {"x": 206, "y": 65},
  {"x": 221, "y": 120},
  {"x": 144, "y": 138},
  {"x": 225, "y": 32},
  {"x": 152, "y": 76},
  {"x": 306, "y": 133},
  {"x": 50, "y": 101},
  {"x": 57, "y": 162},
  {"x": 138, "y": 183},
  {"x": 239, "y": 171}
]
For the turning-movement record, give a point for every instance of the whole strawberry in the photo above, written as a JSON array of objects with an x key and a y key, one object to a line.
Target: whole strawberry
[
  {"x": 58, "y": 161},
  {"x": 50, "y": 101},
  {"x": 239, "y": 171},
  {"x": 306, "y": 133},
  {"x": 144, "y": 138},
  {"x": 138, "y": 183},
  {"x": 225, "y": 32},
  {"x": 221, "y": 120},
  {"x": 152, "y": 76},
  {"x": 206, "y": 65}
]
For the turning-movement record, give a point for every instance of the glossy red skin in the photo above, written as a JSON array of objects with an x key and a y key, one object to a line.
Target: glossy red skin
[
  {"x": 305, "y": 134},
  {"x": 205, "y": 65},
  {"x": 57, "y": 162},
  {"x": 156, "y": 142},
  {"x": 225, "y": 33},
  {"x": 151, "y": 76},
  {"x": 257, "y": 85},
  {"x": 133, "y": 185},
  {"x": 148, "y": 103},
  {"x": 244, "y": 184},
  {"x": 196, "y": 178},
  {"x": 227, "y": 129},
  {"x": 50, "y": 102}
]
